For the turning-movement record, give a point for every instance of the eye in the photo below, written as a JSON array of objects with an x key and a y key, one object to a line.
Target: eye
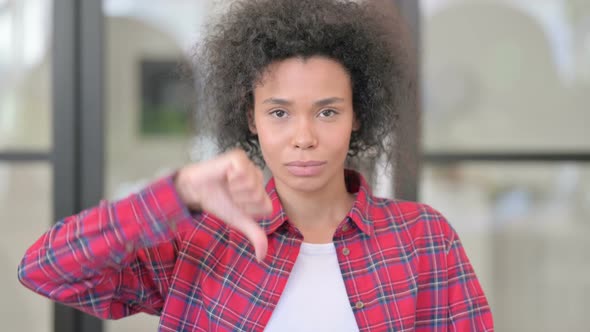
[
  {"x": 328, "y": 113},
  {"x": 279, "y": 113}
]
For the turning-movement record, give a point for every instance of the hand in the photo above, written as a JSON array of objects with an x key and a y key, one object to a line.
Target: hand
[{"x": 231, "y": 187}]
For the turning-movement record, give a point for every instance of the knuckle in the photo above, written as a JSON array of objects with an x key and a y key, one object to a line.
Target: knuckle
[
  {"x": 240, "y": 156},
  {"x": 251, "y": 185},
  {"x": 259, "y": 174}
]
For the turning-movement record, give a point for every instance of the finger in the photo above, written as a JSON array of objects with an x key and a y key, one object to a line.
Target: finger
[
  {"x": 240, "y": 165},
  {"x": 243, "y": 184},
  {"x": 249, "y": 192},
  {"x": 249, "y": 178},
  {"x": 266, "y": 201},
  {"x": 244, "y": 175},
  {"x": 256, "y": 204},
  {"x": 254, "y": 211},
  {"x": 236, "y": 174},
  {"x": 219, "y": 166}
]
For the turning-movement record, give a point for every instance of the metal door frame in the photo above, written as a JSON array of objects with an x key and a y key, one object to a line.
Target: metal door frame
[{"x": 78, "y": 163}]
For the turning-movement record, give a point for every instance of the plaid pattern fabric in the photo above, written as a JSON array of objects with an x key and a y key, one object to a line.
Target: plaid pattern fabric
[{"x": 403, "y": 265}]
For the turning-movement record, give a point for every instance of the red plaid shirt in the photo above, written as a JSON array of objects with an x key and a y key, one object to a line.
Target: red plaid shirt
[{"x": 403, "y": 265}]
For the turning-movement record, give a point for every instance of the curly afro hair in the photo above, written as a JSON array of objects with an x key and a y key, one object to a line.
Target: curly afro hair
[{"x": 366, "y": 39}]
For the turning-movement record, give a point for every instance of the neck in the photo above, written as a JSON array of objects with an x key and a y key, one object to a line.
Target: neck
[{"x": 317, "y": 214}]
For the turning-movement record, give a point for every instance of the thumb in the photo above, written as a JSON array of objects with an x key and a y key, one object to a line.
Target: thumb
[
  {"x": 241, "y": 222},
  {"x": 256, "y": 236}
]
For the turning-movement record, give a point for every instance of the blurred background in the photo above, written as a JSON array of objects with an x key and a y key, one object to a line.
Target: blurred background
[{"x": 93, "y": 104}]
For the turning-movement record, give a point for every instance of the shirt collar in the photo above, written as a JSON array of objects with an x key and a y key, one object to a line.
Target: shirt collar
[{"x": 359, "y": 213}]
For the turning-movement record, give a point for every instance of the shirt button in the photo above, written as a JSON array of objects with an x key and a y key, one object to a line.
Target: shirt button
[
  {"x": 359, "y": 305},
  {"x": 345, "y": 251},
  {"x": 345, "y": 227},
  {"x": 129, "y": 247}
]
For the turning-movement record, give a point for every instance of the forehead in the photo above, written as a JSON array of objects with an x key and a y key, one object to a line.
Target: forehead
[{"x": 310, "y": 76}]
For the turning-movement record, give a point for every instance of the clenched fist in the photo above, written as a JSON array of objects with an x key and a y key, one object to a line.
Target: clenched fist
[{"x": 231, "y": 187}]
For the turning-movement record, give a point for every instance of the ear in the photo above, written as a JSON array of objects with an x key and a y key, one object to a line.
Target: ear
[
  {"x": 356, "y": 125},
  {"x": 251, "y": 123}
]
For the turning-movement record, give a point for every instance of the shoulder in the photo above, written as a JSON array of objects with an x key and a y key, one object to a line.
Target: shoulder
[{"x": 415, "y": 221}]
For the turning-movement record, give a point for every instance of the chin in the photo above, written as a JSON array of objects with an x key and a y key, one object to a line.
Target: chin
[{"x": 307, "y": 184}]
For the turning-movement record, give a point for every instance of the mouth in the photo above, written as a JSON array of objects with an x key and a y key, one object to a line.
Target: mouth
[
  {"x": 305, "y": 168},
  {"x": 300, "y": 163}
]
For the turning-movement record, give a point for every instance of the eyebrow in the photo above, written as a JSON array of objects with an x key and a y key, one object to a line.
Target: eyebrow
[{"x": 319, "y": 103}]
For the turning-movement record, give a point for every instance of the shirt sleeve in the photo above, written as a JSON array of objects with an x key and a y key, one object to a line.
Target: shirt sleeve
[
  {"x": 468, "y": 308},
  {"x": 112, "y": 260}
]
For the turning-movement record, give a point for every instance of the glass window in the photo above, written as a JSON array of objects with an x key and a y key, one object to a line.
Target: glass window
[
  {"x": 25, "y": 214},
  {"x": 525, "y": 228},
  {"x": 506, "y": 75},
  {"x": 25, "y": 78},
  {"x": 149, "y": 129}
]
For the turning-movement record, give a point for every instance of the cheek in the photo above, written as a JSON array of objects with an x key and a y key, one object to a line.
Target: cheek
[
  {"x": 339, "y": 139},
  {"x": 270, "y": 140}
]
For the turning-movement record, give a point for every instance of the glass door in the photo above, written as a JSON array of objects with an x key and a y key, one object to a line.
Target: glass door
[{"x": 25, "y": 146}]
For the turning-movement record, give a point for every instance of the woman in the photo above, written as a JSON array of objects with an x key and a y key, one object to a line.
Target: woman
[{"x": 301, "y": 86}]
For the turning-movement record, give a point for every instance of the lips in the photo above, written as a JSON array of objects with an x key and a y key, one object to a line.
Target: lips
[
  {"x": 305, "y": 163},
  {"x": 305, "y": 168}
]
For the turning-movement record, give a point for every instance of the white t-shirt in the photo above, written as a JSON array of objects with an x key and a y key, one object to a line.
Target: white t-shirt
[{"x": 314, "y": 298}]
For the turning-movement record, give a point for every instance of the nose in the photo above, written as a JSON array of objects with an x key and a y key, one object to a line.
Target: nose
[{"x": 304, "y": 137}]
